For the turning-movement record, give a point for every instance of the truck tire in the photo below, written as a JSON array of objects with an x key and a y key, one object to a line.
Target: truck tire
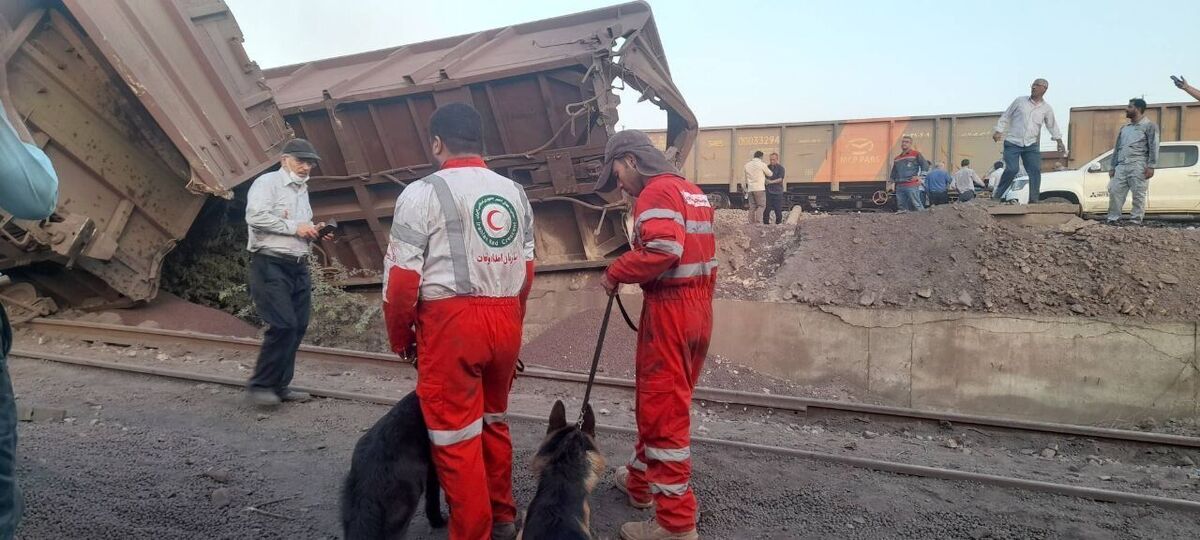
[{"x": 1056, "y": 200}]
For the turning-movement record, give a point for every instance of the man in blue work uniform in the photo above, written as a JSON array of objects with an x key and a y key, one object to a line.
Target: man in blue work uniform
[
  {"x": 1134, "y": 159},
  {"x": 28, "y": 190}
]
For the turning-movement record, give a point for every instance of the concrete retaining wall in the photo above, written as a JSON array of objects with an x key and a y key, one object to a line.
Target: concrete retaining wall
[{"x": 1073, "y": 370}]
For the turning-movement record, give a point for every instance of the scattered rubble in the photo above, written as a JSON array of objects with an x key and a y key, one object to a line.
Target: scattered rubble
[{"x": 958, "y": 257}]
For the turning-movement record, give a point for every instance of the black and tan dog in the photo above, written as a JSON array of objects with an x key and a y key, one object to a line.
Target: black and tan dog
[
  {"x": 391, "y": 468},
  {"x": 568, "y": 465}
]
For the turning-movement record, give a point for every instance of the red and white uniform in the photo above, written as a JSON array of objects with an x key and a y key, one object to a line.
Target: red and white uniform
[
  {"x": 458, "y": 269},
  {"x": 673, "y": 259}
]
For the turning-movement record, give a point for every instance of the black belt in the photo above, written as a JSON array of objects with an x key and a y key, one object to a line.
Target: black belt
[{"x": 294, "y": 259}]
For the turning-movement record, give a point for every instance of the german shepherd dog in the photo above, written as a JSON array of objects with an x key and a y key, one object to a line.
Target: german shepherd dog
[
  {"x": 568, "y": 465},
  {"x": 391, "y": 467}
]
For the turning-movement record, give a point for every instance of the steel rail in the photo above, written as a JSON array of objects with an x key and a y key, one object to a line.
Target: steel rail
[
  {"x": 1083, "y": 492},
  {"x": 130, "y": 335}
]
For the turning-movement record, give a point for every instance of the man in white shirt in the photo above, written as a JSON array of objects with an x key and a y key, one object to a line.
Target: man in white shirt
[
  {"x": 965, "y": 181},
  {"x": 281, "y": 230},
  {"x": 1021, "y": 129},
  {"x": 993, "y": 176},
  {"x": 757, "y": 173}
]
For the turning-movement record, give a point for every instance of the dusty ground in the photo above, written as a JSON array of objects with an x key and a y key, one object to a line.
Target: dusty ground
[
  {"x": 146, "y": 457},
  {"x": 956, "y": 257}
]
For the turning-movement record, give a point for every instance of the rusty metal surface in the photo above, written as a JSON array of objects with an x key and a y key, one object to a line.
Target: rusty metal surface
[
  {"x": 545, "y": 92},
  {"x": 143, "y": 107}
]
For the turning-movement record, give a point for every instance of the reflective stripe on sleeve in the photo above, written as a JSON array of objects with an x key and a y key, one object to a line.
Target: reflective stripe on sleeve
[
  {"x": 665, "y": 246},
  {"x": 404, "y": 233},
  {"x": 660, "y": 213}
]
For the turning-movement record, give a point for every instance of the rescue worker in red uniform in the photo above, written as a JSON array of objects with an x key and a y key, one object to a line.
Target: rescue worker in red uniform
[
  {"x": 457, "y": 275},
  {"x": 673, "y": 260}
]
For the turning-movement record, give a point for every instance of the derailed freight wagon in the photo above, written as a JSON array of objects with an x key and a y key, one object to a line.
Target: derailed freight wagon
[
  {"x": 837, "y": 163},
  {"x": 145, "y": 108},
  {"x": 545, "y": 91}
]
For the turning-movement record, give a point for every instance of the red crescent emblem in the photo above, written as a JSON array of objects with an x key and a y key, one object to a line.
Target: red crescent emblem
[{"x": 491, "y": 225}]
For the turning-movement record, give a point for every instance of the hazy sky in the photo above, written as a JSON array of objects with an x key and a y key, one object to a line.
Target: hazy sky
[{"x": 758, "y": 61}]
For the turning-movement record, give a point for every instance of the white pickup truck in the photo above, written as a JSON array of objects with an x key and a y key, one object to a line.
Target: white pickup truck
[{"x": 1175, "y": 188}]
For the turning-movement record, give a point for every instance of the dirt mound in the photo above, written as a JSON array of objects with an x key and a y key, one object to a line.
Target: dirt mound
[
  {"x": 749, "y": 254},
  {"x": 958, "y": 257}
]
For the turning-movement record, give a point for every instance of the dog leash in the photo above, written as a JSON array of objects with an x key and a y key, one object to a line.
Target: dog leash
[
  {"x": 587, "y": 393},
  {"x": 625, "y": 314}
]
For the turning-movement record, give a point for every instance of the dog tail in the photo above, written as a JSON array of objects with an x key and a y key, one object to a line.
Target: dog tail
[{"x": 433, "y": 499}]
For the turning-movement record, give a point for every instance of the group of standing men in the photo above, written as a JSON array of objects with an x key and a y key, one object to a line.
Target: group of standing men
[
  {"x": 1134, "y": 158},
  {"x": 458, "y": 271},
  {"x": 764, "y": 188}
]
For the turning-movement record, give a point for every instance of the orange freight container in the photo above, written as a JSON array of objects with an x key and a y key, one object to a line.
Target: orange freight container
[{"x": 844, "y": 161}]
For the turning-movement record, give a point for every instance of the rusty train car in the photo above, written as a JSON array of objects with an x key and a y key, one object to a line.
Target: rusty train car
[
  {"x": 146, "y": 108},
  {"x": 835, "y": 163},
  {"x": 545, "y": 91}
]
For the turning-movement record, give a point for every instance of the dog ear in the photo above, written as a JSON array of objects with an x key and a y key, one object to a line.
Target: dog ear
[
  {"x": 589, "y": 421},
  {"x": 558, "y": 417}
]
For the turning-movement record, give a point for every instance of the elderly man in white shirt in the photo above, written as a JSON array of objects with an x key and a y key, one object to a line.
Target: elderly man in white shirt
[
  {"x": 1021, "y": 129},
  {"x": 281, "y": 230}
]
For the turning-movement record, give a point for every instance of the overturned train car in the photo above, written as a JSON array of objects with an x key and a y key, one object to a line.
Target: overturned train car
[
  {"x": 545, "y": 90},
  {"x": 146, "y": 108}
]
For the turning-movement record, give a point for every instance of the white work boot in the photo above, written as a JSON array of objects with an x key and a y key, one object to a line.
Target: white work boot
[
  {"x": 621, "y": 480},
  {"x": 651, "y": 530}
]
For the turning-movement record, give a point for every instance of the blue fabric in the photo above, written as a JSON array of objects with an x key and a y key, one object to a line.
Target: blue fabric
[
  {"x": 28, "y": 185},
  {"x": 10, "y": 494},
  {"x": 909, "y": 199},
  {"x": 1031, "y": 156},
  {"x": 938, "y": 181},
  {"x": 28, "y": 190}
]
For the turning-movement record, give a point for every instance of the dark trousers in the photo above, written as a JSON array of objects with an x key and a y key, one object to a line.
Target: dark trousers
[
  {"x": 1031, "y": 156},
  {"x": 774, "y": 205},
  {"x": 939, "y": 197},
  {"x": 10, "y": 494},
  {"x": 282, "y": 294}
]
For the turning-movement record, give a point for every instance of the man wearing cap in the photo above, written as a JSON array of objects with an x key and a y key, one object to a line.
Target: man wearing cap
[
  {"x": 673, "y": 259},
  {"x": 279, "y": 219},
  {"x": 456, "y": 277}
]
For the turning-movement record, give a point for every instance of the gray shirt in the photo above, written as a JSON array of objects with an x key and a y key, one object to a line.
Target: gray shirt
[
  {"x": 965, "y": 180},
  {"x": 1137, "y": 143},
  {"x": 275, "y": 207}
]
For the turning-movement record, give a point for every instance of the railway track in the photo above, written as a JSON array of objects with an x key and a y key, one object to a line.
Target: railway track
[
  {"x": 128, "y": 336},
  {"x": 1114, "y": 496}
]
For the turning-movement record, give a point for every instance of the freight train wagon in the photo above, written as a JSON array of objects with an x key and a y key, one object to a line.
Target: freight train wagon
[
  {"x": 545, "y": 91},
  {"x": 145, "y": 108},
  {"x": 837, "y": 163}
]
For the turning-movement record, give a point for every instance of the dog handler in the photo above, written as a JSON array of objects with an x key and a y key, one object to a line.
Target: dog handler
[
  {"x": 673, "y": 260},
  {"x": 458, "y": 268}
]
